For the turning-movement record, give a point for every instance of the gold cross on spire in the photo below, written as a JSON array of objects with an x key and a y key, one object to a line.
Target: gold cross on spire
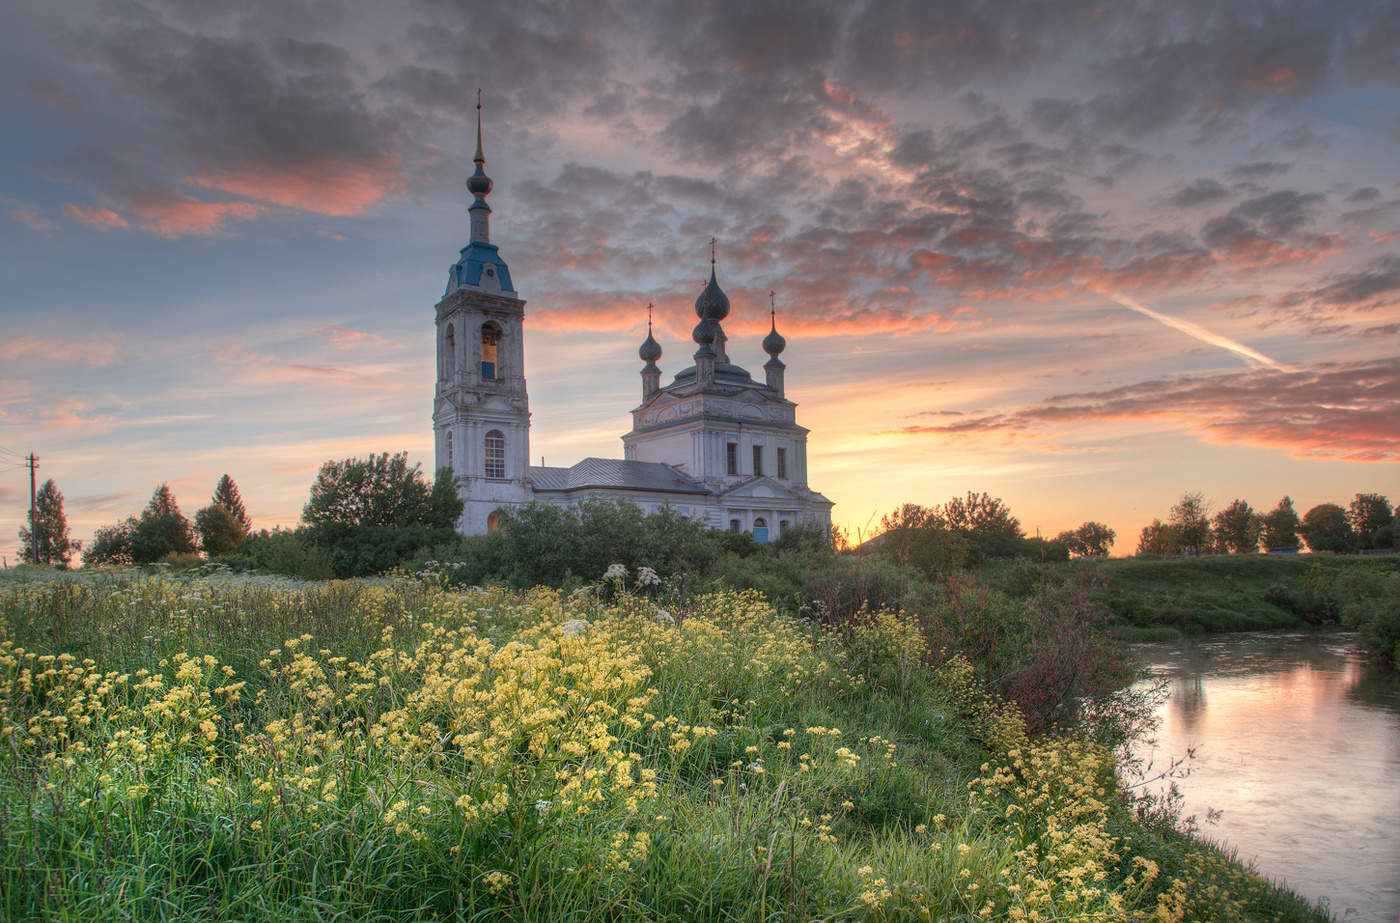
[
  {"x": 649, "y": 306},
  {"x": 773, "y": 305},
  {"x": 712, "y": 250}
]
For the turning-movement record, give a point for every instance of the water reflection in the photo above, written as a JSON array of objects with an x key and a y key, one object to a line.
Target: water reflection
[{"x": 1297, "y": 743}]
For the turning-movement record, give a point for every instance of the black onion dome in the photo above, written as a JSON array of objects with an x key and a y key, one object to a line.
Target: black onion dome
[
  {"x": 705, "y": 332},
  {"x": 479, "y": 183},
  {"x": 774, "y": 342},
  {"x": 651, "y": 350},
  {"x": 713, "y": 303}
]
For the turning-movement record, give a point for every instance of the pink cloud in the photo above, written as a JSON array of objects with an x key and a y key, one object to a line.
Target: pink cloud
[
  {"x": 175, "y": 214},
  {"x": 91, "y": 352},
  {"x": 268, "y": 369},
  {"x": 326, "y": 186},
  {"x": 104, "y": 219},
  {"x": 29, "y": 216},
  {"x": 1330, "y": 410}
]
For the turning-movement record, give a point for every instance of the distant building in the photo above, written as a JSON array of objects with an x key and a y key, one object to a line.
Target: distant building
[{"x": 714, "y": 444}]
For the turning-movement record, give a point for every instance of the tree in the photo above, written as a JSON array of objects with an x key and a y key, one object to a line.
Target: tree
[
  {"x": 445, "y": 504},
  {"x": 1189, "y": 523},
  {"x": 219, "y": 530},
  {"x": 226, "y": 495},
  {"x": 162, "y": 529},
  {"x": 48, "y": 529},
  {"x": 1157, "y": 538},
  {"x": 981, "y": 514},
  {"x": 1090, "y": 540},
  {"x": 111, "y": 544},
  {"x": 381, "y": 490},
  {"x": 1325, "y": 528},
  {"x": 1236, "y": 528},
  {"x": 911, "y": 516},
  {"x": 224, "y": 522},
  {"x": 1280, "y": 530},
  {"x": 1368, "y": 514}
]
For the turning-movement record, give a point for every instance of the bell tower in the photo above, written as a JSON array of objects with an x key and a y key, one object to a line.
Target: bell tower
[{"x": 481, "y": 412}]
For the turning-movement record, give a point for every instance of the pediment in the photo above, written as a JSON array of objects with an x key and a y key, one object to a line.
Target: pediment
[{"x": 761, "y": 489}]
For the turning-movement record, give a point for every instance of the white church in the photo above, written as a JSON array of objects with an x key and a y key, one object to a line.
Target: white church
[{"x": 714, "y": 444}]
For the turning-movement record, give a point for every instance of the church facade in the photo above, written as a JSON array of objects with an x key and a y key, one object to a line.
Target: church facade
[{"x": 714, "y": 444}]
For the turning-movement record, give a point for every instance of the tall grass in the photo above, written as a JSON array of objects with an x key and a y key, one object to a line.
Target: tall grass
[{"x": 196, "y": 749}]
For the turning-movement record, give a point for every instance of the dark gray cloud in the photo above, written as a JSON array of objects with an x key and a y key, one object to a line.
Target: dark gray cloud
[
  {"x": 1197, "y": 193},
  {"x": 1260, "y": 169},
  {"x": 1365, "y": 194},
  {"x": 1375, "y": 284},
  {"x": 1281, "y": 212}
]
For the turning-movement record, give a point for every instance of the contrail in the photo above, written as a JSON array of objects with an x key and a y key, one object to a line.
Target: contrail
[{"x": 1193, "y": 330}]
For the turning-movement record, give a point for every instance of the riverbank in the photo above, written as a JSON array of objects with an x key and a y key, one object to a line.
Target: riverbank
[
  {"x": 205, "y": 750},
  {"x": 1154, "y": 599}
]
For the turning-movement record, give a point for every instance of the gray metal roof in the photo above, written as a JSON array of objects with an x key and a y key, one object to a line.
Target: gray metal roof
[{"x": 616, "y": 473}]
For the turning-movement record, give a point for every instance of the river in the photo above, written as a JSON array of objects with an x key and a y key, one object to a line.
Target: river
[{"x": 1296, "y": 743}]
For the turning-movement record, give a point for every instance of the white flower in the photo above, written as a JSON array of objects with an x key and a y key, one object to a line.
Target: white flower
[
  {"x": 647, "y": 577},
  {"x": 574, "y": 627},
  {"x": 615, "y": 572},
  {"x": 582, "y": 591},
  {"x": 664, "y": 617}
]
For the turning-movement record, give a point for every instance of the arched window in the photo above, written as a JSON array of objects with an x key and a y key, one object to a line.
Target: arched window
[
  {"x": 495, "y": 454},
  {"x": 493, "y": 521},
  {"x": 449, "y": 448},
  {"x": 490, "y": 346},
  {"x": 449, "y": 348},
  {"x": 760, "y": 530},
  {"x": 733, "y": 525}
]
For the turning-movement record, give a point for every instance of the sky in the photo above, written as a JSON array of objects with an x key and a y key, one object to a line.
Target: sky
[{"x": 1084, "y": 256}]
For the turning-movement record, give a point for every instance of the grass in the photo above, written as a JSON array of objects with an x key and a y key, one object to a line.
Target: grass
[
  {"x": 1221, "y": 592},
  {"x": 214, "y": 749}
]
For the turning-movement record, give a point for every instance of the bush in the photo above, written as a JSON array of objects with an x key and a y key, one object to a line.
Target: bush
[
  {"x": 280, "y": 552},
  {"x": 544, "y": 544},
  {"x": 1369, "y": 601},
  {"x": 1051, "y": 652}
]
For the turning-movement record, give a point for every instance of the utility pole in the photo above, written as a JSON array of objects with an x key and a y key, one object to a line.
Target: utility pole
[{"x": 33, "y": 463}]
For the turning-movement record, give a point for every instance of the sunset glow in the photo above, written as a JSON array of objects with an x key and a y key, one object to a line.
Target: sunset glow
[{"x": 1083, "y": 258}]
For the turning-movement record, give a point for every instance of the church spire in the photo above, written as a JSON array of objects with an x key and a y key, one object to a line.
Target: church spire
[
  {"x": 649, "y": 353},
  {"x": 479, "y": 185},
  {"x": 773, "y": 344}
]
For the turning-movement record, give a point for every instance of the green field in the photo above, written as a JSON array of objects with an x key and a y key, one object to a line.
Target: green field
[{"x": 269, "y": 750}]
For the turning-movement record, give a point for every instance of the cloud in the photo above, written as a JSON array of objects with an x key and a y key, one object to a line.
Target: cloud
[
  {"x": 268, "y": 369},
  {"x": 95, "y": 216},
  {"x": 1260, "y": 169},
  {"x": 27, "y": 215},
  {"x": 1328, "y": 410},
  {"x": 171, "y": 213},
  {"x": 97, "y": 352},
  {"x": 1199, "y": 192},
  {"x": 325, "y": 185},
  {"x": 1374, "y": 285}
]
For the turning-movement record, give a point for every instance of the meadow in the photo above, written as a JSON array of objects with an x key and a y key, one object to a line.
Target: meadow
[{"x": 255, "y": 748}]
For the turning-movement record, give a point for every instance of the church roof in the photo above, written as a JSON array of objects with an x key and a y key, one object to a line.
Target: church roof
[
  {"x": 476, "y": 256},
  {"x": 615, "y": 473}
]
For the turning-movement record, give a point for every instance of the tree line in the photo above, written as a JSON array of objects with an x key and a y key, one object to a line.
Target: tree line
[{"x": 1368, "y": 523}]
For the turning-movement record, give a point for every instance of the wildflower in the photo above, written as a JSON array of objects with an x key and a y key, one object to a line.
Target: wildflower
[
  {"x": 574, "y": 627},
  {"x": 615, "y": 572}
]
